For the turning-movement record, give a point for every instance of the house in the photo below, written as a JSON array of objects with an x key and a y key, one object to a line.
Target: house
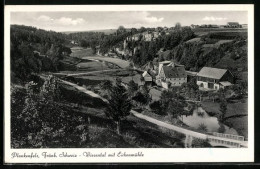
[
  {"x": 213, "y": 78},
  {"x": 147, "y": 77},
  {"x": 171, "y": 74}
]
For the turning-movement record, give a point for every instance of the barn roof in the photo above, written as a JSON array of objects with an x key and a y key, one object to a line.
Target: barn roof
[
  {"x": 174, "y": 72},
  {"x": 210, "y": 72}
]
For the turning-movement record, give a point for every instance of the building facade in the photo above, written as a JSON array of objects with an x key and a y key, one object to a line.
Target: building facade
[
  {"x": 171, "y": 74},
  {"x": 213, "y": 78}
]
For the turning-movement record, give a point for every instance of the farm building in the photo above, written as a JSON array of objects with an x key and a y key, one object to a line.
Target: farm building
[
  {"x": 171, "y": 74},
  {"x": 147, "y": 77},
  {"x": 213, "y": 78}
]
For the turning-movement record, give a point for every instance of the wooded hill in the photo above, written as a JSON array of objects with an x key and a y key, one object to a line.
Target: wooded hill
[{"x": 34, "y": 50}]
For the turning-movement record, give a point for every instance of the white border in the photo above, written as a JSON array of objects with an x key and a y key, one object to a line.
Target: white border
[{"x": 150, "y": 154}]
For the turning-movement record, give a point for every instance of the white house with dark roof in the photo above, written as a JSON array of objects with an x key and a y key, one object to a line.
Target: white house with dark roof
[
  {"x": 213, "y": 78},
  {"x": 171, "y": 73}
]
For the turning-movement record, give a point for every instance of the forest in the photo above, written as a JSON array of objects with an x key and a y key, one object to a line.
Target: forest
[{"x": 35, "y": 50}]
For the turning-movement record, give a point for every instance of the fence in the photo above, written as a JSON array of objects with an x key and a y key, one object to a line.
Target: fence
[
  {"x": 224, "y": 142},
  {"x": 229, "y": 136}
]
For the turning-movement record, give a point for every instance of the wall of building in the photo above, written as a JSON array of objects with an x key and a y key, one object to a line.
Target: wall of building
[
  {"x": 227, "y": 77},
  {"x": 205, "y": 84},
  {"x": 177, "y": 81}
]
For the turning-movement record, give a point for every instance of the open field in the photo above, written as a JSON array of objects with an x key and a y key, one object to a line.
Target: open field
[
  {"x": 217, "y": 44},
  {"x": 92, "y": 66},
  {"x": 205, "y": 31},
  {"x": 125, "y": 76},
  {"x": 119, "y": 62},
  {"x": 81, "y": 52}
]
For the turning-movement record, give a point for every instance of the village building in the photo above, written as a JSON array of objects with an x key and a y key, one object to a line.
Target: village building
[
  {"x": 213, "y": 78},
  {"x": 171, "y": 74},
  {"x": 147, "y": 77}
]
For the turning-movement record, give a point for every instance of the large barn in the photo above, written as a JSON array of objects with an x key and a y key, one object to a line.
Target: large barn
[{"x": 214, "y": 78}]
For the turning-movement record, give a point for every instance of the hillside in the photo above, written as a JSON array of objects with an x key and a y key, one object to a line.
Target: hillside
[
  {"x": 218, "y": 49},
  {"x": 35, "y": 50},
  {"x": 105, "y": 31}
]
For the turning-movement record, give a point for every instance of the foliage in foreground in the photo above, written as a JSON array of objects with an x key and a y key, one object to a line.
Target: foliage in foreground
[
  {"x": 119, "y": 104},
  {"x": 42, "y": 121}
]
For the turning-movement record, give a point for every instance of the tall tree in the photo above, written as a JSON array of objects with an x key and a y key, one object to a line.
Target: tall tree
[
  {"x": 119, "y": 104},
  {"x": 132, "y": 88}
]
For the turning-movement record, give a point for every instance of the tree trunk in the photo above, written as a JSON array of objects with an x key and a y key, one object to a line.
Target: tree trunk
[{"x": 118, "y": 127}]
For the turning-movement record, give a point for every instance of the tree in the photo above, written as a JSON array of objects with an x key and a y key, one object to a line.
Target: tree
[
  {"x": 133, "y": 31},
  {"x": 132, "y": 87},
  {"x": 221, "y": 128},
  {"x": 142, "y": 29},
  {"x": 157, "y": 107},
  {"x": 121, "y": 30},
  {"x": 106, "y": 85},
  {"x": 119, "y": 104},
  {"x": 177, "y": 26},
  {"x": 142, "y": 79},
  {"x": 223, "y": 108},
  {"x": 173, "y": 103},
  {"x": 202, "y": 127}
]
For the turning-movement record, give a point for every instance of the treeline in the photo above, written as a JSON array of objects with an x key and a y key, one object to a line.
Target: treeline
[
  {"x": 106, "y": 42},
  {"x": 148, "y": 51},
  {"x": 34, "y": 50},
  {"x": 194, "y": 56}
]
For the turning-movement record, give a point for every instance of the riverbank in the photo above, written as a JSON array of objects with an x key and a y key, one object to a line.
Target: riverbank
[{"x": 240, "y": 124}]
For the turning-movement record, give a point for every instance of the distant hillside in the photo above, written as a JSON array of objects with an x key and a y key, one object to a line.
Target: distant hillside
[{"x": 105, "y": 31}]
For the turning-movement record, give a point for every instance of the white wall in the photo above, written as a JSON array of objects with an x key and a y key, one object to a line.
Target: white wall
[
  {"x": 177, "y": 81},
  {"x": 204, "y": 83},
  {"x": 216, "y": 86}
]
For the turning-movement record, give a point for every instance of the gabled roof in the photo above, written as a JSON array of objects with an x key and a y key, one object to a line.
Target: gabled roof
[
  {"x": 210, "y": 72},
  {"x": 146, "y": 74},
  {"x": 174, "y": 72}
]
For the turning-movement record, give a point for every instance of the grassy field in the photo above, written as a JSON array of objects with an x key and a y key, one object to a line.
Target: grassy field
[
  {"x": 217, "y": 44},
  {"x": 205, "y": 31},
  {"x": 81, "y": 52},
  {"x": 89, "y": 66},
  {"x": 240, "y": 124},
  {"x": 119, "y": 62},
  {"x": 125, "y": 76}
]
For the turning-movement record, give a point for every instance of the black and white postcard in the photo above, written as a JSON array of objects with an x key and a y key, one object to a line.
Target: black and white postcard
[{"x": 129, "y": 83}]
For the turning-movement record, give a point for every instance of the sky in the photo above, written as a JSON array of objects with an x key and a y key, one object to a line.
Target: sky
[{"x": 84, "y": 21}]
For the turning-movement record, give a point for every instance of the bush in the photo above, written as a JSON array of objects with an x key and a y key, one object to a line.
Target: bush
[
  {"x": 156, "y": 107},
  {"x": 199, "y": 143}
]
